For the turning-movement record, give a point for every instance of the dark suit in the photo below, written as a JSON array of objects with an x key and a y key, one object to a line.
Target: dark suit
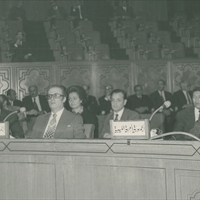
[
  {"x": 127, "y": 115},
  {"x": 17, "y": 103},
  {"x": 158, "y": 101},
  {"x": 90, "y": 118},
  {"x": 70, "y": 126},
  {"x": 29, "y": 105},
  {"x": 134, "y": 102},
  {"x": 104, "y": 105},
  {"x": 185, "y": 120},
  {"x": 179, "y": 99},
  {"x": 14, "y": 125},
  {"x": 92, "y": 105},
  {"x": 19, "y": 52}
]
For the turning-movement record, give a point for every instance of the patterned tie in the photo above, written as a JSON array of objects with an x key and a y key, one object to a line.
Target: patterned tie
[
  {"x": 51, "y": 128},
  {"x": 35, "y": 107},
  {"x": 116, "y": 117}
]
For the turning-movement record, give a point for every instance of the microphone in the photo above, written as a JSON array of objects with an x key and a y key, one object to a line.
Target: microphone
[
  {"x": 166, "y": 104},
  {"x": 20, "y": 110}
]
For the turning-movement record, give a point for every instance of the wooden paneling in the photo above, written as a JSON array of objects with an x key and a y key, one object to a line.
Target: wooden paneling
[
  {"x": 99, "y": 169},
  {"x": 120, "y": 74}
]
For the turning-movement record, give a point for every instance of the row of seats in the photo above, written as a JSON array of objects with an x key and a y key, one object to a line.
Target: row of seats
[{"x": 78, "y": 43}]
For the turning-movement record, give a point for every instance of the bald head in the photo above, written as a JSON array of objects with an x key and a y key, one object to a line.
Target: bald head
[{"x": 33, "y": 90}]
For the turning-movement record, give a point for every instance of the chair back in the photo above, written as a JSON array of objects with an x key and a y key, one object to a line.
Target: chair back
[
  {"x": 158, "y": 121},
  {"x": 89, "y": 130}
]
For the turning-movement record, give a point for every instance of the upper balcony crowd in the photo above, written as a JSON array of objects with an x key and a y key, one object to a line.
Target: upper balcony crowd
[{"x": 84, "y": 35}]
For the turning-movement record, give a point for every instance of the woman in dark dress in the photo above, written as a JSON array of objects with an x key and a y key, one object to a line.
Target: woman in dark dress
[{"x": 77, "y": 98}]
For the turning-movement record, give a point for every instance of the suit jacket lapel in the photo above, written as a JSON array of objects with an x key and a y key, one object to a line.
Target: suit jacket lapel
[{"x": 61, "y": 127}]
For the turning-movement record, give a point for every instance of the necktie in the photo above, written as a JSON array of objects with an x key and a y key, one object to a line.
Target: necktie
[
  {"x": 189, "y": 99},
  {"x": 35, "y": 107},
  {"x": 162, "y": 98},
  {"x": 51, "y": 128},
  {"x": 116, "y": 117}
]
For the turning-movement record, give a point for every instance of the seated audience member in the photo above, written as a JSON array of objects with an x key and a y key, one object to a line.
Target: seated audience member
[
  {"x": 139, "y": 102},
  {"x": 15, "y": 128},
  {"x": 78, "y": 11},
  {"x": 91, "y": 102},
  {"x": 183, "y": 97},
  {"x": 187, "y": 120},
  {"x": 104, "y": 101},
  {"x": 77, "y": 100},
  {"x": 59, "y": 123},
  {"x": 12, "y": 97},
  {"x": 118, "y": 101},
  {"x": 20, "y": 49},
  {"x": 17, "y": 12},
  {"x": 56, "y": 12},
  {"x": 158, "y": 98},
  {"x": 35, "y": 105},
  {"x": 22, "y": 117},
  {"x": 124, "y": 10}
]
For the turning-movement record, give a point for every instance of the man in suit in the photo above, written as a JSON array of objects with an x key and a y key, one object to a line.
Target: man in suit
[
  {"x": 188, "y": 120},
  {"x": 139, "y": 102},
  {"x": 20, "y": 49},
  {"x": 35, "y": 105},
  {"x": 91, "y": 102},
  {"x": 158, "y": 98},
  {"x": 183, "y": 97},
  {"x": 59, "y": 123},
  {"x": 79, "y": 12},
  {"x": 105, "y": 101},
  {"x": 124, "y": 10},
  {"x": 15, "y": 128},
  {"x": 56, "y": 12},
  {"x": 12, "y": 97},
  {"x": 118, "y": 101}
]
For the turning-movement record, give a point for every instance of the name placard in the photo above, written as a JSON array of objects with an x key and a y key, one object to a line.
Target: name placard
[
  {"x": 138, "y": 129},
  {"x": 4, "y": 130}
]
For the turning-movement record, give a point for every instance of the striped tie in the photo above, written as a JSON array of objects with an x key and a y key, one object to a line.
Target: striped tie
[{"x": 51, "y": 128}]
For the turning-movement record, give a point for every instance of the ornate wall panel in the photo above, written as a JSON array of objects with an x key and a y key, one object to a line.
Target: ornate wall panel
[
  {"x": 148, "y": 74},
  {"x": 74, "y": 74},
  {"x": 5, "y": 78},
  {"x": 188, "y": 71},
  {"x": 116, "y": 74},
  {"x": 40, "y": 75}
]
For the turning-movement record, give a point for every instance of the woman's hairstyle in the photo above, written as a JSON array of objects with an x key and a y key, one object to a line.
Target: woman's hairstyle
[{"x": 80, "y": 91}]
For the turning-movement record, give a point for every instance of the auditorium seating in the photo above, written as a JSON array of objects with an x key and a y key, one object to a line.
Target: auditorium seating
[{"x": 89, "y": 130}]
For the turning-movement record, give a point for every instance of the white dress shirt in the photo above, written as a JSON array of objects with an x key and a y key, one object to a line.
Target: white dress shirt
[
  {"x": 37, "y": 102},
  {"x": 162, "y": 93},
  {"x": 119, "y": 114},
  {"x": 187, "y": 96},
  {"x": 58, "y": 115},
  {"x": 196, "y": 114}
]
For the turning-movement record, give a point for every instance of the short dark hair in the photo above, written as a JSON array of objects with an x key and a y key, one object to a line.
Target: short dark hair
[
  {"x": 8, "y": 93},
  {"x": 196, "y": 89},
  {"x": 137, "y": 86},
  {"x": 61, "y": 87},
  {"x": 119, "y": 91},
  {"x": 80, "y": 91},
  {"x": 162, "y": 81}
]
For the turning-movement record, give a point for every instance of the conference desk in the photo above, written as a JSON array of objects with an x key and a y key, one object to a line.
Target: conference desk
[{"x": 99, "y": 169}]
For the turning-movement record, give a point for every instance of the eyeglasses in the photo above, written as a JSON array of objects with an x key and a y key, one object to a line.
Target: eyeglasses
[{"x": 54, "y": 96}]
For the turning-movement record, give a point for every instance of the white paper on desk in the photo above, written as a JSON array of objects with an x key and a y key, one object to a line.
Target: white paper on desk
[{"x": 2, "y": 129}]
